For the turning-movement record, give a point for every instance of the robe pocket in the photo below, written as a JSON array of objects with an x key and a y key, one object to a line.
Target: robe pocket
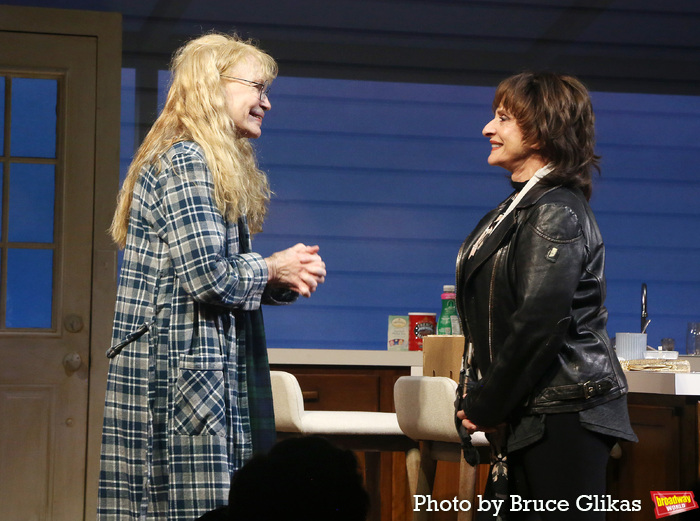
[{"x": 200, "y": 404}]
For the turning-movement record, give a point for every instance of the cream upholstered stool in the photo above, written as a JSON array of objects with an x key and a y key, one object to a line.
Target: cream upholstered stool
[
  {"x": 368, "y": 432},
  {"x": 425, "y": 411}
]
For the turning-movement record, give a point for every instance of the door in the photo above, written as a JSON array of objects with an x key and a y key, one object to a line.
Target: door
[{"x": 47, "y": 163}]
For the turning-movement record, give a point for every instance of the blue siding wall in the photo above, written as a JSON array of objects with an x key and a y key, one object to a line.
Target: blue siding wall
[
  {"x": 648, "y": 207},
  {"x": 389, "y": 178}
]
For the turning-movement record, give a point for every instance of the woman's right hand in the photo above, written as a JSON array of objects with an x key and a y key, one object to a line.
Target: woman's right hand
[{"x": 299, "y": 268}]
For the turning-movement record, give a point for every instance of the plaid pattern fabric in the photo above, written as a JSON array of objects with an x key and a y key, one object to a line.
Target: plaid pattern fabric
[{"x": 181, "y": 395}]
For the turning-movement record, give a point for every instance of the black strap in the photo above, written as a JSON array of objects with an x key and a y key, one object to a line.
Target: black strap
[{"x": 584, "y": 390}]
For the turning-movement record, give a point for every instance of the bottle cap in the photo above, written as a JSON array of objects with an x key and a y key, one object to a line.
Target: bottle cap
[{"x": 450, "y": 288}]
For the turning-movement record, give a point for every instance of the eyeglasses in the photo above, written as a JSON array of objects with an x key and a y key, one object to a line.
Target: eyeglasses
[{"x": 263, "y": 88}]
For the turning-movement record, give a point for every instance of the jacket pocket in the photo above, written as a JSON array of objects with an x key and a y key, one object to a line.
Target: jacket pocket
[{"x": 200, "y": 398}]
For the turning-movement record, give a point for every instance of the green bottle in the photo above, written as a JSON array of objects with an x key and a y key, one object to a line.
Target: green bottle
[{"x": 448, "y": 324}]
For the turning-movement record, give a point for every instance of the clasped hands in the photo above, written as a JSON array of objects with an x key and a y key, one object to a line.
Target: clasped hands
[
  {"x": 299, "y": 268},
  {"x": 471, "y": 426}
]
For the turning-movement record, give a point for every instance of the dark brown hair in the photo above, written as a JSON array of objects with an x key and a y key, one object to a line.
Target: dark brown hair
[{"x": 555, "y": 114}]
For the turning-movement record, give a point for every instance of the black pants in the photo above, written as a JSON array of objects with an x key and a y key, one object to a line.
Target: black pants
[{"x": 569, "y": 462}]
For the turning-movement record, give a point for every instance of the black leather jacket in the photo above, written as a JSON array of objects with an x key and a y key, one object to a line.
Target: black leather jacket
[{"x": 532, "y": 302}]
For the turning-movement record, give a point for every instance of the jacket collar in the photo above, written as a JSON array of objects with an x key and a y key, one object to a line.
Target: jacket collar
[
  {"x": 534, "y": 195},
  {"x": 466, "y": 266}
]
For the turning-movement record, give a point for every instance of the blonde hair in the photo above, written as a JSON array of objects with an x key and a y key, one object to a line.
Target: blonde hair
[{"x": 195, "y": 110}]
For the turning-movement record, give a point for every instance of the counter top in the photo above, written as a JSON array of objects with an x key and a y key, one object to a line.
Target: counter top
[
  {"x": 347, "y": 357},
  {"x": 680, "y": 384}
]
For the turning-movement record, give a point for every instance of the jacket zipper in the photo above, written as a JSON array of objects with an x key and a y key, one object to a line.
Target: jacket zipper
[{"x": 491, "y": 307}]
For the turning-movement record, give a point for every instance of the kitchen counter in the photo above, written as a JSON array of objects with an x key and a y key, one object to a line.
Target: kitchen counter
[
  {"x": 663, "y": 410},
  {"x": 679, "y": 384}
]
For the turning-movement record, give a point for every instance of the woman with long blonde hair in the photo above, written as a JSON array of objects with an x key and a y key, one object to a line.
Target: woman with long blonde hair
[{"x": 188, "y": 396}]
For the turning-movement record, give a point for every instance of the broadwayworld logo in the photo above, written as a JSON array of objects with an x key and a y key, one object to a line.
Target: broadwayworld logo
[{"x": 670, "y": 503}]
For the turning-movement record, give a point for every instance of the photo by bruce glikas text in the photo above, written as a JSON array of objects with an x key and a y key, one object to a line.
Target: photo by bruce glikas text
[{"x": 584, "y": 503}]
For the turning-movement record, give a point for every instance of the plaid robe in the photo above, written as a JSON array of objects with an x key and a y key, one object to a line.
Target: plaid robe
[{"x": 188, "y": 392}]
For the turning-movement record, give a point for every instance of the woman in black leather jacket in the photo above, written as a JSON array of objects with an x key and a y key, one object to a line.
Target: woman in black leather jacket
[{"x": 543, "y": 379}]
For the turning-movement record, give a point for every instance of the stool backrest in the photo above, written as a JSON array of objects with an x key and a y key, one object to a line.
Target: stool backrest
[
  {"x": 287, "y": 400},
  {"x": 425, "y": 407}
]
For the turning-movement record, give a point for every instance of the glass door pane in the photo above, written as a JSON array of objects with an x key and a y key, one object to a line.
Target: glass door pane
[{"x": 28, "y": 202}]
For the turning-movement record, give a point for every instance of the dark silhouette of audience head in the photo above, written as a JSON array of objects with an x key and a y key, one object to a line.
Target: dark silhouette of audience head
[{"x": 300, "y": 479}]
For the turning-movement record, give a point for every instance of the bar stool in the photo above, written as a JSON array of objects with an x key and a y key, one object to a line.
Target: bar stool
[
  {"x": 425, "y": 412},
  {"x": 368, "y": 432}
]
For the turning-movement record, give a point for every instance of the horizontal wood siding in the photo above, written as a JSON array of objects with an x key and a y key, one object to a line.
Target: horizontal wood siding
[{"x": 388, "y": 178}]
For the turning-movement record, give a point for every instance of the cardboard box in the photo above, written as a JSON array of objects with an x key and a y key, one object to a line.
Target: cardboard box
[{"x": 442, "y": 355}]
